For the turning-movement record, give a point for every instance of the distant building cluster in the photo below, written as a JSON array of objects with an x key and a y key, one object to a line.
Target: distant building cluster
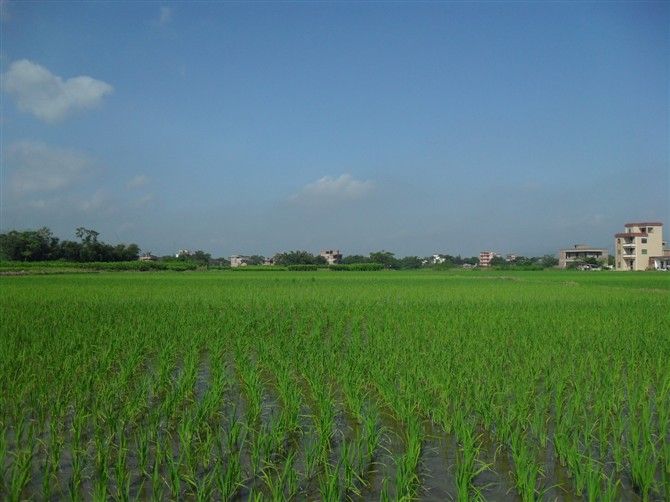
[
  {"x": 237, "y": 260},
  {"x": 639, "y": 247}
]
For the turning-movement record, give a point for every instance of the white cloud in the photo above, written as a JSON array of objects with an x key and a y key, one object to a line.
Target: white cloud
[
  {"x": 165, "y": 16},
  {"x": 36, "y": 167},
  {"x": 329, "y": 190},
  {"x": 138, "y": 181},
  {"x": 95, "y": 202},
  {"x": 48, "y": 96}
]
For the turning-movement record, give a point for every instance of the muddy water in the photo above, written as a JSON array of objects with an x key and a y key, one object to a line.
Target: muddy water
[{"x": 437, "y": 465}]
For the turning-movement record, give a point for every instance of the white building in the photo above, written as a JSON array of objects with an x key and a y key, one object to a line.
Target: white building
[
  {"x": 239, "y": 261},
  {"x": 485, "y": 258},
  {"x": 332, "y": 256},
  {"x": 660, "y": 262}
]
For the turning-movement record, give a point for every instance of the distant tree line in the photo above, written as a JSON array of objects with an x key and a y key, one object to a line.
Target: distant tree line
[
  {"x": 41, "y": 245},
  {"x": 523, "y": 262},
  {"x": 290, "y": 258}
]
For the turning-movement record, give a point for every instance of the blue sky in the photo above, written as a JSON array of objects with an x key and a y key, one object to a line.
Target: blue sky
[{"x": 412, "y": 127}]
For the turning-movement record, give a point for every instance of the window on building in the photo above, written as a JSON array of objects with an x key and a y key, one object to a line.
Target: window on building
[
  {"x": 644, "y": 251},
  {"x": 644, "y": 240},
  {"x": 618, "y": 241},
  {"x": 618, "y": 251},
  {"x": 650, "y": 229},
  {"x": 618, "y": 265}
]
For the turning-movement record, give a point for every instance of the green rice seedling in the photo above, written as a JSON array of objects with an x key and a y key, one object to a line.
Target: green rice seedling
[
  {"x": 20, "y": 474},
  {"x": 260, "y": 449},
  {"x": 312, "y": 458},
  {"x": 143, "y": 450},
  {"x": 384, "y": 494},
  {"x": 52, "y": 459},
  {"x": 594, "y": 477},
  {"x": 468, "y": 466},
  {"x": 281, "y": 483},
  {"x": 352, "y": 470},
  {"x": 665, "y": 467},
  {"x": 407, "y": 480},
  {"x": 156, "y": 481},
  {"x": 330, "y": 485},
  {"x": 174, "y": 475},
  {"x": 205, "y": 486},
  {"x": 373, "y": 432},
  {"x": 641, "y": 454},
  {"x": 3, "y": 456},
  {"x": 526, "y": 470},
  {"x": 121, "y": 468},
  {"x": 610, "y": 492},
  {"x": 252, "y": 387},
  {"x": 235, "y": 435},
  {"x": 229, "y": 476}
]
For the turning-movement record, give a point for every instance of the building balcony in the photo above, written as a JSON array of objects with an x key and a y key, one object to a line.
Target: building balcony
[{"x": 628, "y": 244}]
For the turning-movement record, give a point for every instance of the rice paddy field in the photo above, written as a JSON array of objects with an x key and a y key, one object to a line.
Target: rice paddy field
[{"x": 335, "y": 386}]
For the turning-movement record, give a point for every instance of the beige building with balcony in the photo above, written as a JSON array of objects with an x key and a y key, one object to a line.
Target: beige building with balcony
[
  {"x": 579, "y": 254},
  {"x": 635, "y": 247}
]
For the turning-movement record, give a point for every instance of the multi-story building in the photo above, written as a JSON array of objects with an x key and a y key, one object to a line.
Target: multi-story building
[
  {"x": 581, "y": 253},
  {"x": 485, "y": 258},
  {"x": 332, "y": 256},
  {"x": 635, "y": 247}
]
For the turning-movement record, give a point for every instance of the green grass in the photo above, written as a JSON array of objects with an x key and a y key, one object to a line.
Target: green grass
[{"x": 319, "y": 385}]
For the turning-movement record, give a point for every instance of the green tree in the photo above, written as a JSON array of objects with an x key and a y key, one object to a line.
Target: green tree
[
  {"x": 256, "y": 260},
  {"x": 548, "y": 261},
  {"x": 386, "y": 258},
  {"x": 295, "y": 258},
  {"x": 354, "y": 258}
]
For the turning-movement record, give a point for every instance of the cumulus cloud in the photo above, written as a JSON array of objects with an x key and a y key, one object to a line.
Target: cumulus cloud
[
  {"x": 137, "y": 182},
  {"x": 49, "y": 97},
  {"x": 329, "y": 189},
  {"x": 36, "y": 167},
  {"x": 165, "y": 16}
]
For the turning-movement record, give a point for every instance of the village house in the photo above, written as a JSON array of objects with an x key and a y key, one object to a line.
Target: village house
[
  {"x": 579, "y": 253},
  {"x": 485, "y": 258},
  {"x": 239, "y": 261},
  {"x": 332, "y": 256}
]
